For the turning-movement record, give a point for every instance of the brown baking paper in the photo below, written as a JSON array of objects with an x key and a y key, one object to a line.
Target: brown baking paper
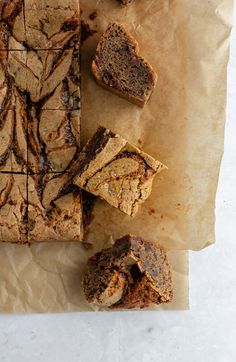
[{"x": 187, "y": 42}]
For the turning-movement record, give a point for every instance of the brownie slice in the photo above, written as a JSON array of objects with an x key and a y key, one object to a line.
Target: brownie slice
[
  {"x": 118, "y": 67},
  {"x": 116, "y": 171},
  {"x": 131, "y": 274}
]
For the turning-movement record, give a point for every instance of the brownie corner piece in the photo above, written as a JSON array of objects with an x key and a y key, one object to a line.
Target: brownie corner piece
[
  {"x": 54, "y": 209},
  {"x": 133, "y": 273},
  {"x": 13, "y": 208},
  {"x": 118, "y": 67},
  {"x": 116, "y": 171}
]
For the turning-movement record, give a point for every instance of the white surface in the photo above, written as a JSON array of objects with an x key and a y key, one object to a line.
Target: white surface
[{"x": 207, "y": 333}]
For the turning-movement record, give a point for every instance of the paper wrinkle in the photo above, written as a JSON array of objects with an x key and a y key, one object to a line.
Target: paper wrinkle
[{"x": 182, "y": 125}]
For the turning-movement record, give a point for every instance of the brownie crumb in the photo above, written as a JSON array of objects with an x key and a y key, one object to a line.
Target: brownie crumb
[
  {"x": 88, "y": 206},
  {"x": 125, "y": 2},
  {"x": 151, "y": 211},
  {"x": 93, "y": 15},
  {"x": 86, "y": 31}
]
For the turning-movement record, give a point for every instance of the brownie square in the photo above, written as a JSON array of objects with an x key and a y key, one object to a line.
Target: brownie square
[
  {"x": 54, "y": 209},
  {"x": 116, "y": 171},
  {"x": 53, "y": 139},
  {"x": 51, "y": 24}
]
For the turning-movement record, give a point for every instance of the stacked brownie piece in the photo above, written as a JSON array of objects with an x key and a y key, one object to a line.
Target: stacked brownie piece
[{"x": 39, "y": 120}]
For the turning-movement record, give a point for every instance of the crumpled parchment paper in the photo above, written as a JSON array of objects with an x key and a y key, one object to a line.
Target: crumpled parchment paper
[{"x": 187, "y": 43}]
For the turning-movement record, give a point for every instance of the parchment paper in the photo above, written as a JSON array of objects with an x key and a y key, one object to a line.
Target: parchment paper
[{"x": 187, "y": 42}]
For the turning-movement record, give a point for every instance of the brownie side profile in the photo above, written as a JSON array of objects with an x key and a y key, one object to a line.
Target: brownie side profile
[
  {"x": 118, "y": 67},
  {"x": 133, "y": 273},
  {"x": 116, "y": 171}
]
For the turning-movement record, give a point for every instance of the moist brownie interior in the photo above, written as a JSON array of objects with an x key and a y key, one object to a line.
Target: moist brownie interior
[{"x": 118, "y": 66}]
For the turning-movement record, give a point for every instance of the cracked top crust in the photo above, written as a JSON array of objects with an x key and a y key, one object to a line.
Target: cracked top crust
[
  {"x": 118, "y": 172},
  {"x": 131, "y": 274}
]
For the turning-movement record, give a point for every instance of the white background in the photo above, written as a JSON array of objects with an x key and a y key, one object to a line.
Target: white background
[{"x": 206, "y": 333}]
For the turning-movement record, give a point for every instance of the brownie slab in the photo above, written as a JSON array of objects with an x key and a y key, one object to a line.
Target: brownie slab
[
  {"x": 54, "y": 209},
  {"x": 133, "y": 273},
  {"x": 118, "y": 172},
  {"x": 51, "y": 24},
  {"x": 13, "y": 208}
]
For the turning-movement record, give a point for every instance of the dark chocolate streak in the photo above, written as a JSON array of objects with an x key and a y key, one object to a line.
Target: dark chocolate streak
[
  {"x": 147, "y": 170},
  {"x": 8, "y": 189},
  {"x": 40, "y": 154},
  {"x": 95, "y": 145},
  {"x": 19, "y": 158},
  {"x": 15, "y": 11},
  {"x": 13, "y": 145}
]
